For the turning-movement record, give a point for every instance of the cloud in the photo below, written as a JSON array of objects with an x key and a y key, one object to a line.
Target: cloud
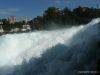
[
  {"x": 60, "y": 1},
  {"x": 7, "y": 11}
]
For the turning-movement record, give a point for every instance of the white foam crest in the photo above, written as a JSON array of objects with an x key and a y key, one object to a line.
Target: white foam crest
[
  {"x": 16, "y": 47},
  {"x": 94, "y": 21}
]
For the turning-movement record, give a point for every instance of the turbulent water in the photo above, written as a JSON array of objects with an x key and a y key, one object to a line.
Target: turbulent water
[{"x": 57, "y": 52}]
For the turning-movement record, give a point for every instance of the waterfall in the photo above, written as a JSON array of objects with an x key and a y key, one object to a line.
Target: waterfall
[{"x": 54, "y": 52}]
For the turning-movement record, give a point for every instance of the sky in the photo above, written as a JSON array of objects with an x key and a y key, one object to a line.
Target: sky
[{"x": 33, "y": 8}]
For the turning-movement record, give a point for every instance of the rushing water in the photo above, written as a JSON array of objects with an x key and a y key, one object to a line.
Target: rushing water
[{"x": 55, "y": 52}]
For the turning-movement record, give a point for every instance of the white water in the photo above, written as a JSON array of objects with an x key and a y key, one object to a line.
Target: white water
[
  {"x": 31, "y": 44},
  {"x": 14, "y": 48}
]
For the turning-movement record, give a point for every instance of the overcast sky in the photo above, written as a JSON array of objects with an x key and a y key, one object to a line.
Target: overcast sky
[{"x": 33, "y": 8}]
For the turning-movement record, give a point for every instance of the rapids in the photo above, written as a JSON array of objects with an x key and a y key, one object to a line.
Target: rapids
[{"x": 57, "y": 52}]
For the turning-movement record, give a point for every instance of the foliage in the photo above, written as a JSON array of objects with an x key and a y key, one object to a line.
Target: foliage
[{"x": 59, "y": 17}]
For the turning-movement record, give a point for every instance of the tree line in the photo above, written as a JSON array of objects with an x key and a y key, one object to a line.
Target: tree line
[{"x": 54, "y": 16}]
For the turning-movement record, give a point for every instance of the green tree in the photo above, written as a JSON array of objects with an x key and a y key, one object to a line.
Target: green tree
[
  {"x": 67, "y": 16},
  {"x": 51, "y": 14},
  {"x": 6, "y": 25}
]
